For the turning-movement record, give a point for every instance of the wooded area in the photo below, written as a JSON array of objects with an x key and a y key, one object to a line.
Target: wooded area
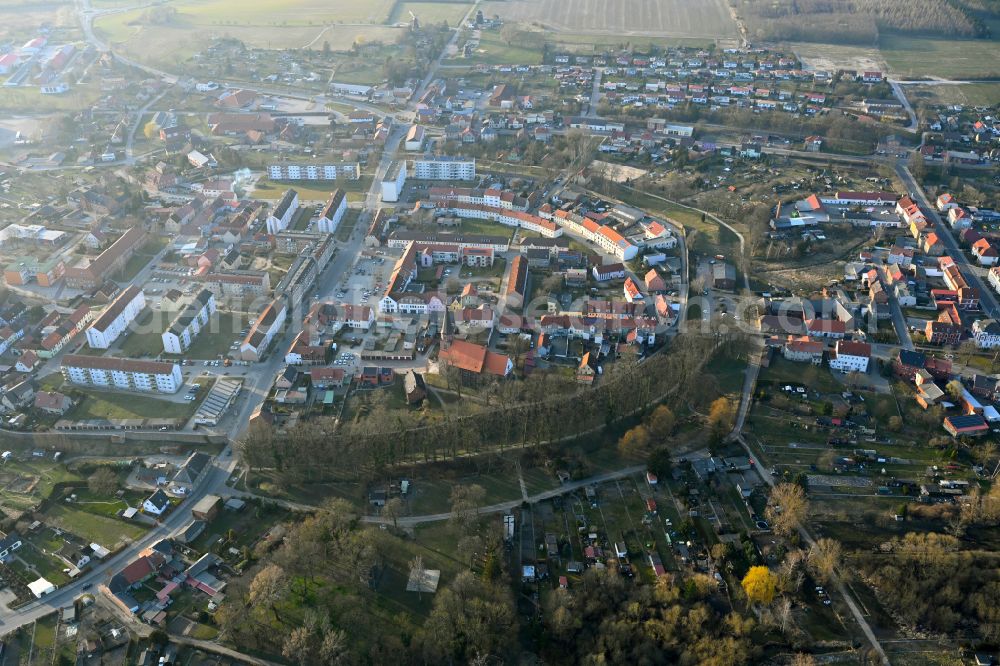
[{"x": 521, "y": 415}]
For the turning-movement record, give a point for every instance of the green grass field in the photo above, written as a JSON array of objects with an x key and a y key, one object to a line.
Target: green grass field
[
  {"x": 47, "y": 566},
  {"x": 265, "y": 24},
  {"x": 976, "y": 94},
  {"x": 494, "y": 51},
  {"x": 708, "y": 235},
  {"x": 99, "y": 405},
  {"x": 347, "y": 224},
  {"x": 359, "y": 72},
  {"x": 106, "y": 531},
  {"x": 484, "y": 227},
  {"x": 78, "y": 97},
  {"x": 222, "y": 332},
  {"x": 312, "y": 190},
  {"x": 947, "y": 58},
  {"x": 144, "y": 336}
]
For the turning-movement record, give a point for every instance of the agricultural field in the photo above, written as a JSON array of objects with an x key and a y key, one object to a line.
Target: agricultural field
[
  {"x": 494, "y": 51},
  {"x": 172, "y": 42},
  {"x": 906, "y": 58},
  {"x": 625, "y": 18},
  {"x": 429, "y": 12},
  {"x": 20, "y": 17},
  {"x": 944, "y": 58},
  {"x": 598, "y": 43},
  {"x": 282, "y": 12},
  {"x": 975, "y": 94}
]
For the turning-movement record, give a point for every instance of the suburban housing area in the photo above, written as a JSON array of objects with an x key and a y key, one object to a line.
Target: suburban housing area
[{"x": 453, "y": 332}]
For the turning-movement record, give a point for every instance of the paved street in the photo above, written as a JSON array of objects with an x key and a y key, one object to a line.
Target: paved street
[
  {"x": 945, "y": 233},
  {"x": 254, "y": 392},
  {"x": 898, "y": 320}
]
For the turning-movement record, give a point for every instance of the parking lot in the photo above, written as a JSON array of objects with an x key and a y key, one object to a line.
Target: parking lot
[{"x": 364, "y": 284}]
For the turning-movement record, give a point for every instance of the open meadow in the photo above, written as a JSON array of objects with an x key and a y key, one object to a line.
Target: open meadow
[
  {"x": 429, "y": 12},
  {"x": 946, "y": 58},
  {"x": 681, "y": 18},
  {"x": 194, "y": 25},
  {"x": 905, "y": 58}
]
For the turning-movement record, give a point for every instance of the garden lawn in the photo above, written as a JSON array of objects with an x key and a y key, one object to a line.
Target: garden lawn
[
  {"x": 99, "y": 405},
  {"x": 106, "y": 531}
]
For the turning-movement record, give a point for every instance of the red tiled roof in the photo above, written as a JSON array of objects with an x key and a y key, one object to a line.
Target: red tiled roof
[
  {"x": 474, "y": 358},
  {"x": 850, "y": 348}
]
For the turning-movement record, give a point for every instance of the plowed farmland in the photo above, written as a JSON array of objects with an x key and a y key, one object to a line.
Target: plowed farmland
[{"x": 679, "y": 18}]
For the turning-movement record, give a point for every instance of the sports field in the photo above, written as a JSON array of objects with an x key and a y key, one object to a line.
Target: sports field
[{"x": 680, "y": 18}]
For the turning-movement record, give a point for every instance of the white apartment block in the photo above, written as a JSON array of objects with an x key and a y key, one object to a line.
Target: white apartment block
[
  {"x": 115, "y": 319},
  {"x": 283, "y": 212},
  {"x": 333, "y": 212},
  {"x": 189, "y": 323},
  {"x": 122, "y": 374},
  {"x": 348, "y": 170},
  {"x": 394, "y": 182},
  {"x": 445, "y": 168},
  {"x": 259, "y": 337},
  {"x": 240, "y": 284}
]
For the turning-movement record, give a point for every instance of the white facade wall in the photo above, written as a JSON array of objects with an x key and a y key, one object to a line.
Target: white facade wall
[
  {"x": 127, "y": 381},
  {"x": 392, "y": 188},
  {"x": 849, "y": 363},
  {"x": 102, "y": 339},
  {"x": 444, "y": 169},
  {"x": 329, "y": 225}
]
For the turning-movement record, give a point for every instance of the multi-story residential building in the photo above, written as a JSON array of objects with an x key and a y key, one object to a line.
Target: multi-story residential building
[
  {"x": 348, "y": 170},
  {"x": 986, "y": 333},
  {"x": 283, "y": 212},
  {"x": 444, "y": 168},
  {"x": 98, "y": 270},
  {"x": 238, "y": 284},
  {"x": 8, "y": 336},
  {"x": 262, "y": 332},
  {"x": 25, "y": 270},
  {"x": 850, "y": 356},
  {"x": 115, "y": 319},
  {"x": 333, "y": 212},
  {"x": 122, "y": 374},
  {"x": 493, "y": 197},
  {"x": 994, "y": 278},
  {"x": 401, "y": 239},
  {"x": 942, "y": 333},
  {"x": 601, "y": 235},
  {"x": 189, "y": 323},
  {"x": 512, "y": 218},
  {"x": 394, "y": 182},
  {"x": 803, "y": 350},
  {"x": 55, "y": 334}
]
